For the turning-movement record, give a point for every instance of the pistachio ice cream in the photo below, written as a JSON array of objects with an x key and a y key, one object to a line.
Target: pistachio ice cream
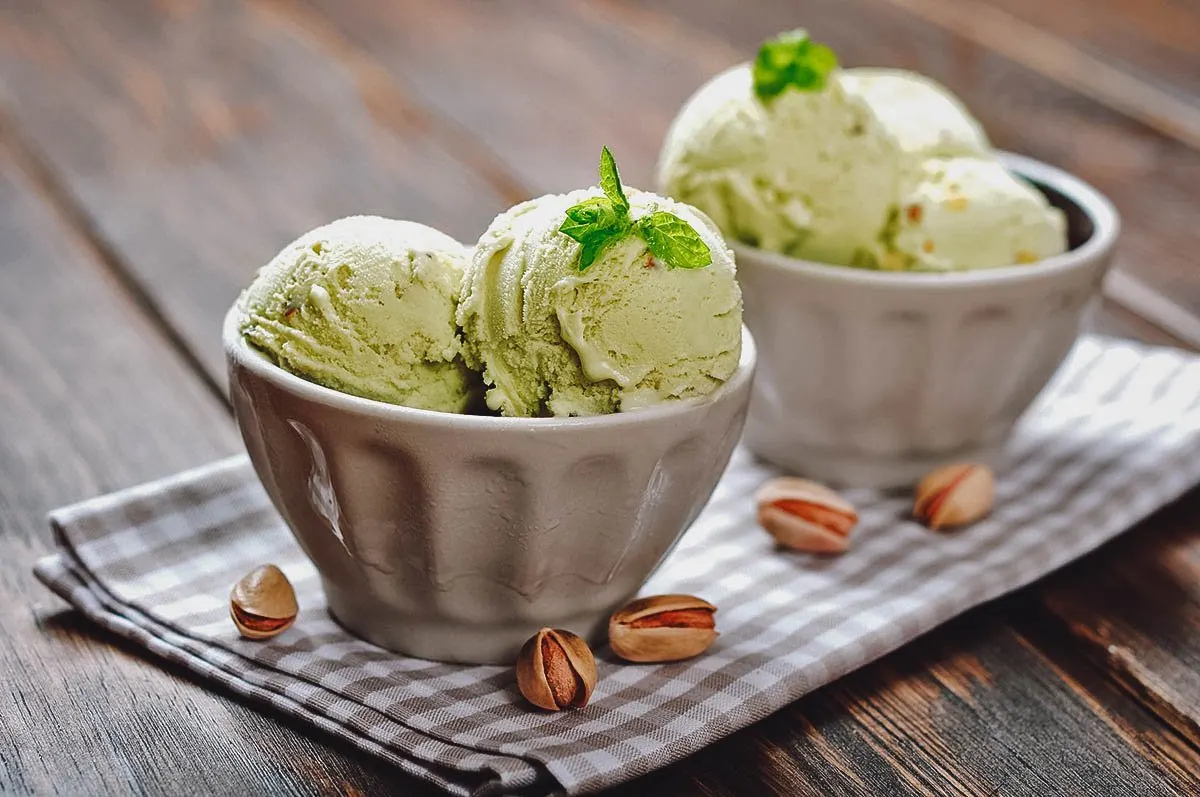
[
  {"x": 366, "y": 305},
  {"x": 592, "y": 302},
  {"x": 970, "y": 213},
  {"x": 811, "y": 176},
  {"x": 873, "y": 168},
  {"x": 596, "y": 302},
  {"x": 922, "y": 118}
]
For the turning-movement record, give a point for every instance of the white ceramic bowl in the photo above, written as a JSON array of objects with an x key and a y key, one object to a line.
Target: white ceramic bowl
[
  {"x": 456, "y": 537},
  {"x": 870, "y": 378}
]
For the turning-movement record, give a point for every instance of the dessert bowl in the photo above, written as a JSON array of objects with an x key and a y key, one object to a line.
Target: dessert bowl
[
  {"x": 871, "y": 378},
  {"x": 456, "y": 537}
]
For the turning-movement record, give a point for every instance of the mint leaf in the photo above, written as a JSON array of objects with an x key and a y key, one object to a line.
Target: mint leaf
[
  {"x": 591, "y": 251},
  {"x": 590, "y": 217},
  {"x": 599, "y": 221},
  {"x": 596, "y": 224},
  {"x": 610, "y": 181},
  {"x": 673, "y": 241},
  {"x": 791, "y": 60}
]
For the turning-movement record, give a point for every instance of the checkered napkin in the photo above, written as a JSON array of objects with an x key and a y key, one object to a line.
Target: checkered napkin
[{"x": 1116, "y": 436}]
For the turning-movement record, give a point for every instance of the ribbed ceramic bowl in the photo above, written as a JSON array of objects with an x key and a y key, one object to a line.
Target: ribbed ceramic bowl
[
  {"x": 871, "y": 379},
  {"x": 456, "y": 537}
]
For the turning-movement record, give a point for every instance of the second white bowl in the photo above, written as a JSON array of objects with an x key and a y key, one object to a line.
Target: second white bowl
[{"x": 871, "y": 378}]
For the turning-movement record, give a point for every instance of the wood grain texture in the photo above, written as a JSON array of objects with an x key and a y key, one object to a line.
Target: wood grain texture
[
  {"x": 199, "y": 138},
  {"x": 1115, "y": 320},
  {"x": 941, "y": 718},
  {"x": 1153, "y": 41},
  {"x": 91, "y": 400},
  {"x": 1093, "y": 75},
  {"x": 570, "y": 81},
  {"x": 1170, "y": 318},
  {"x": 1136, "y": 608}
]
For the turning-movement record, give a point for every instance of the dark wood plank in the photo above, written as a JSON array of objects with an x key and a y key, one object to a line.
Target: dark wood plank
[
  {"x": 92, "y": 399},
  {"x": 542, "y": 91},
  {"x": 1117, "y": 321},
  {"x": 940, "y": 718},
  {"x": 1170, "y": 317},
  {"x": 198, "y": 138},
  {"x": 1136, "y": 608},
  {"x": 1135, "y": 57},
  {"x": 1152, "y": 40}
]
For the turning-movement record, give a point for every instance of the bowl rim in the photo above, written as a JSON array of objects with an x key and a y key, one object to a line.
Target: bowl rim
[
  {"x": 1106, "y": 227},
  {"x": 238, "y": 350}
]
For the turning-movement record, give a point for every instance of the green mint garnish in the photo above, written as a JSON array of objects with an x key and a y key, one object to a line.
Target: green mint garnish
[
  {"x": 593, "y": 217},
  {"x": 610, "y": 182},
  {"x": 673, "y": 241},
  {"x": 791, "y": 60},
  {"x": 601, "y": 221}
]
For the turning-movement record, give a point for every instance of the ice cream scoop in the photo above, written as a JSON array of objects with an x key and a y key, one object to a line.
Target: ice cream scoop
[
  {"x": 366, "y": 305},
  {"x": 921, "y": 116},
  {"x": 824, "y": 168},
  {"x": 812, "y": 174},
  {"x": 586, "y": 325},
  {"x": 971, "y": 213}
]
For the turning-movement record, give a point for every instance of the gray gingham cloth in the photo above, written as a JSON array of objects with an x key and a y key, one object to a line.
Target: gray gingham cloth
[{"x": 1115, "y": 437}]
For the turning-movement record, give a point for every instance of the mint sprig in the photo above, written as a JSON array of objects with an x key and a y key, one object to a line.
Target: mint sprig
[
  {"x": 610, "y": 182},
  {"x": 673, "y": 241},
  {"x": 599, "y": 222},
  {"x": 792, "y": 60}
]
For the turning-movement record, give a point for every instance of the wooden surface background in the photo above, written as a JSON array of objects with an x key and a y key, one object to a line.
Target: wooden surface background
[{"x": 154, "y": 152}]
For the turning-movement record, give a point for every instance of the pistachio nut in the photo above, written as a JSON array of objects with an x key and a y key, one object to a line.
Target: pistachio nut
[
  {"x": 805, "y": 516},
  {"x": 556, "y": 670},
  {"x": 955, "y": 495},
  {"x": 662, "y": 628},
  {"x": 262, "y": 603}
]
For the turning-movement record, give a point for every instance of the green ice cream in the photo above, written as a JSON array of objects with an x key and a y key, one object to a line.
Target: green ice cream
[
  {"x": 811, "y": 175},
  {"x": 627, "y": 330},
  {"x": 366, "y": 305},
  {"x": 969, "y": 213},
  {"x": 830, "y": 169},
  {"x": 921, "y": 117}
]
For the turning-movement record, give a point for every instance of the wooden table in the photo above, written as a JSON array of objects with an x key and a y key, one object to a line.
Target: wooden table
[{"x": 153, "y": 153}]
